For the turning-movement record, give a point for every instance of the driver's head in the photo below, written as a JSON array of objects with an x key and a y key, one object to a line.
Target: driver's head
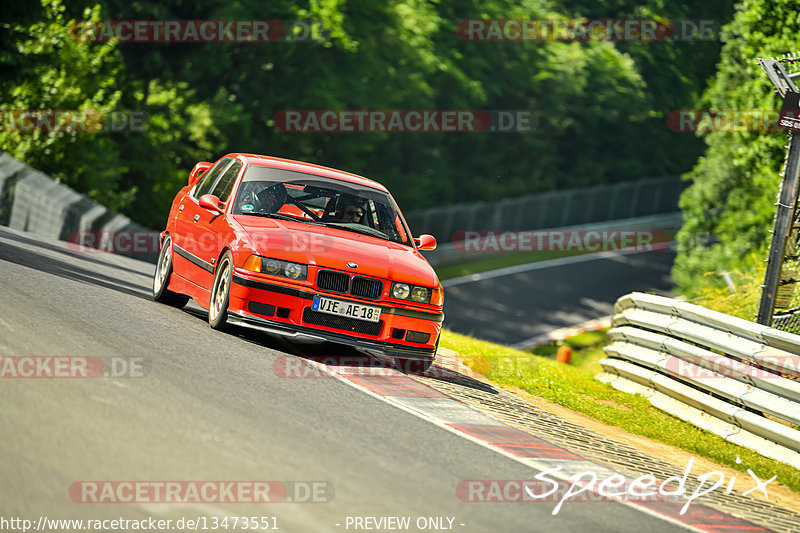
[
  {"x": 350, "y": 209},
  {"x": 272, "y": 197}
]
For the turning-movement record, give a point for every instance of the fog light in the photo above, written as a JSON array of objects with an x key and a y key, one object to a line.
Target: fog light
[{"x": 418, "y": 336}]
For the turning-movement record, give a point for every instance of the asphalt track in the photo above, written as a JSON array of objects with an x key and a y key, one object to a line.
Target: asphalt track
[
  {"x": 532, "y": 300},
  {"x": 211, "y": 407}
]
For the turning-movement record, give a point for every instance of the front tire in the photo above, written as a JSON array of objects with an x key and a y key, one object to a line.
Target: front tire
[
  {"x": 220, "y": 293},
  {"x": 162, "y": 276}
]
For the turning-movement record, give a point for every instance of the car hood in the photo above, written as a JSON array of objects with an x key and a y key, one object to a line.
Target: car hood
[{"x": 327, "y": 247}]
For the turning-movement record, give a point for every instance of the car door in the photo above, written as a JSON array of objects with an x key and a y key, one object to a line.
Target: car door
[
  {"x": 186, "y": 262},
  {"x": 211, "y": 231}
]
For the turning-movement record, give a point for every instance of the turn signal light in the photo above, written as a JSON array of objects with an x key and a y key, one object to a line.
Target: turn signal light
[{"x": 253, "y": 263}]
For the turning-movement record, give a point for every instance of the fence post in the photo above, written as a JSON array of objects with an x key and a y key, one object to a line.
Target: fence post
[
  {"x": 784, "y": 215},
  {"x": 787, "y": 199}
]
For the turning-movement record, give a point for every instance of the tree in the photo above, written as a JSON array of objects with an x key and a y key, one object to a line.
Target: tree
[
  {"x": 599, "y": 106},
  {"x": 63, "y": 77},
  {"x": 729, "y": 208}
]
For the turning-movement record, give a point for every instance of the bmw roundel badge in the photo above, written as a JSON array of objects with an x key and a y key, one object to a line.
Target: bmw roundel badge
[{"x": 352, "y": 265}]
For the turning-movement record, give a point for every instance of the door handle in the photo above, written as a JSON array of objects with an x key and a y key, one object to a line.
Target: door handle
[
  {"x": 196, "y": 218},
  {"x": 180, "y": 209}
]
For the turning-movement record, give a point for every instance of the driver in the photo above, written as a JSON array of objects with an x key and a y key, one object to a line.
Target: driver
[
  {"x": 350, "y": 209},
  {"x": 263, "y": 199}
]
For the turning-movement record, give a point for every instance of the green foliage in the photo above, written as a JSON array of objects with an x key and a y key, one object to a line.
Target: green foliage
[
  {"x": 674, "y": 71},
  {"x": 743, "y": 300},
  {"x": 729, "y": 209},
  {"x": 600, "y": 106},
  {"x": 56, "y": 72}
]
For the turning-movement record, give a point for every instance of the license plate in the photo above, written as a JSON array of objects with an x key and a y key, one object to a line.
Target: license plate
[{"x": 348, "y": 309}]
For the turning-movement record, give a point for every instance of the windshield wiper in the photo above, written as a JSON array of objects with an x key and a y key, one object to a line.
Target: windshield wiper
[{"x": 365, "y": 231}]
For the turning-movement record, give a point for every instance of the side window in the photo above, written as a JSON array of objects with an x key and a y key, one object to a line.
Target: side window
[
  {"x": 223, "y": 187},
  {"x": 209, "y": 178}
]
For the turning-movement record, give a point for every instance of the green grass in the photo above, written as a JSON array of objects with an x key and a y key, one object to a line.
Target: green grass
[
  {"x": 574, "y": 386},
  {"x": 743, "y": 302},
  {"x": 587, "y": 349}
]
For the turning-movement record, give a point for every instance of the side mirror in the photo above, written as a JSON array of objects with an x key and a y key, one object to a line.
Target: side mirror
[
  {"x": 198, "y": 170},
  {"x": 210, "y": 202},
  {"x": 425, "y": 242}
]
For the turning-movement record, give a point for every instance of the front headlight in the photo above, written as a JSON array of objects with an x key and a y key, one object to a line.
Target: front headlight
[
  {"x": 271, "y": 267},
  {"x": 420, "y": 294},
  {"x": 276, "y": 267},
  {"x": 404, "y": 291},
  {"x": 294, "y": 271},
  {"x": 400, "y": 291}
]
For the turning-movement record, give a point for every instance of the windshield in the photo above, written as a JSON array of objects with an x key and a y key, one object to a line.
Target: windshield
[{"x": 315, "y": 199}]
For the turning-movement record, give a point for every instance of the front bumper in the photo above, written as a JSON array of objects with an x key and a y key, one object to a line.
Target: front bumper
[{"x": 291, "y": 303}]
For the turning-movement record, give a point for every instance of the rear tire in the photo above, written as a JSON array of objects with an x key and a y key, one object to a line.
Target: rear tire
[
  {"x": 162, "y": 276},
  {"x": 220, "y": 293}
]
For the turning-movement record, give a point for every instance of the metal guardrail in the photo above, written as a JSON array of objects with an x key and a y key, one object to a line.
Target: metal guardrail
[
  {"x": 553, "y": 209},
  {"x": 732, "y": 377},
  {"x": 453, "y": 253}
]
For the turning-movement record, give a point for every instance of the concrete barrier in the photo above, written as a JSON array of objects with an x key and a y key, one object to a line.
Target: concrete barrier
[{"x": 33, "y": 202}]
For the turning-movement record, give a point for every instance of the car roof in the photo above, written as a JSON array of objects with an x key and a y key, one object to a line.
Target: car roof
[{"x": 308, "y": 168}]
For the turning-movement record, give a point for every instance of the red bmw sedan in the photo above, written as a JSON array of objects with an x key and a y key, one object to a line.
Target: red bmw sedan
[{"x": 301, "y": 250}]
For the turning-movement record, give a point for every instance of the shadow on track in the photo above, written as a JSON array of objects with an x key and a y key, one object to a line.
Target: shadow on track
[
  {"x": 64, "y": 269},
  {"x": 339, "y": 358},
  {"x": 32, "y": 242}
]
